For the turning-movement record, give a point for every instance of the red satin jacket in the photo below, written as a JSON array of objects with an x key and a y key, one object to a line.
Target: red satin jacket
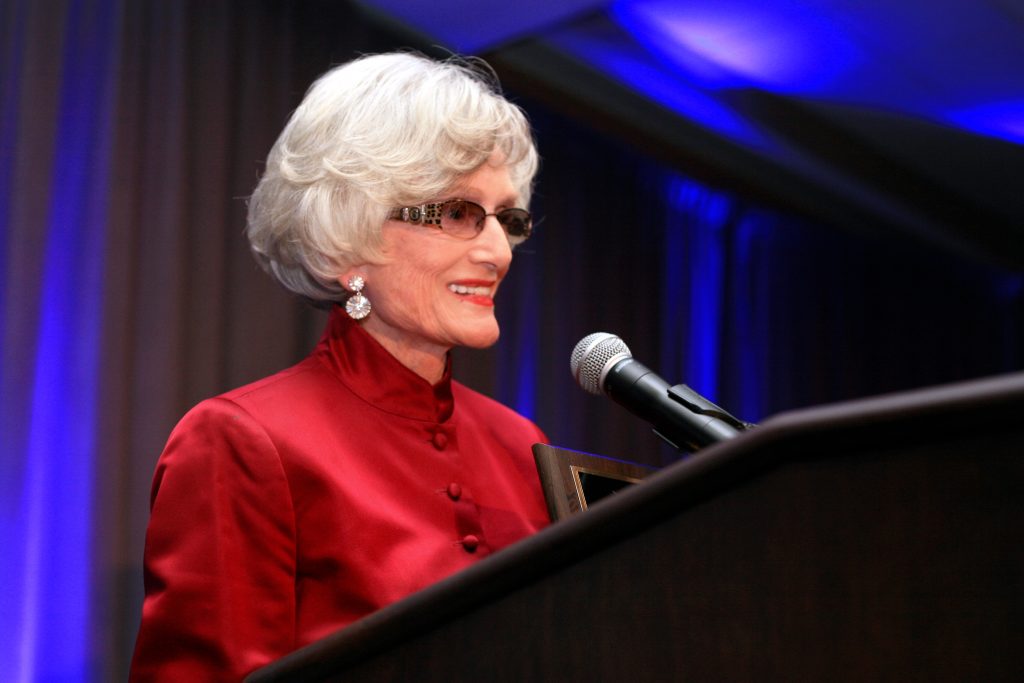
[{"x": 288, "y": 508}]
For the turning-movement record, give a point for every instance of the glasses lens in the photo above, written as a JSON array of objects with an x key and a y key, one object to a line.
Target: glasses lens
[
  {"x": 517, "y": 224},
  {"x": 464, "y": 219},
  {"x": 460, "y": 218}
]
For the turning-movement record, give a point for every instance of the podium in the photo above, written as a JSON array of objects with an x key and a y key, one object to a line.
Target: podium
[{"x": 878, "y": 539}]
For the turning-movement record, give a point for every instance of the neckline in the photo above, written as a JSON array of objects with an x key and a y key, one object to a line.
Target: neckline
[{"x": 372, "y": 373}]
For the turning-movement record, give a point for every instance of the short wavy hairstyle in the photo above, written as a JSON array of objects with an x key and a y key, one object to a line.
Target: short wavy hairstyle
[{"x": 378, "y": 132}]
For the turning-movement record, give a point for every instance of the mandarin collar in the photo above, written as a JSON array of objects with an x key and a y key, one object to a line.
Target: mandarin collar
[{"x": 377, "y": 377}]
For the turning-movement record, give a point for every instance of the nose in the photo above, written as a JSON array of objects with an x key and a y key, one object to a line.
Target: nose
[{"x": 491, "y": 245}]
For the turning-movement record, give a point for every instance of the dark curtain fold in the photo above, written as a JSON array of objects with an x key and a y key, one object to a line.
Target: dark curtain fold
[{"x": 176, "y": 103}]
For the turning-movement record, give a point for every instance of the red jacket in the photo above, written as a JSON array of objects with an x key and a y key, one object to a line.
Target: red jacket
[{"x": 291, "y": 507}]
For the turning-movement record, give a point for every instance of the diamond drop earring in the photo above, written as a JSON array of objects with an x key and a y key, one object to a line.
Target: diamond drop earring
[{"x": 357, "y": 305}]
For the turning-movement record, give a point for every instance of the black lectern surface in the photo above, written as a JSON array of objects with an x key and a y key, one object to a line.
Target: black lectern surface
[{"x": 871, "y": 540}]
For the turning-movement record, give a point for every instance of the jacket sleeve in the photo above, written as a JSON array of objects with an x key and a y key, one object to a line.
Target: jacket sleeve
[{"x": 220, "y": 552}]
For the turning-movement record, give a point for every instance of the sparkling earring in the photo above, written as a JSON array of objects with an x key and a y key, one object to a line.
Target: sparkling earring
[{"x": 357, "y": 305}]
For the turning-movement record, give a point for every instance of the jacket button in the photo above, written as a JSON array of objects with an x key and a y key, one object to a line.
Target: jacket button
[
  {"x": 440, "y": 440},
  {"x": 454, "y": 491},
  {"x": 470, "y": 542}
]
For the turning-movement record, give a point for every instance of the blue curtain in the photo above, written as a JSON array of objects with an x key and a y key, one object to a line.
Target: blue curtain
[
  {"x": 47, "y": 493},
  {"x": 694, "y": 283}
]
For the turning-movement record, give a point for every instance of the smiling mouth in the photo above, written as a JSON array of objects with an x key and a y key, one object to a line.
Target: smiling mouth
[
  {"x": 479, "y": 293},
  {"x": 467, "y": 290}
]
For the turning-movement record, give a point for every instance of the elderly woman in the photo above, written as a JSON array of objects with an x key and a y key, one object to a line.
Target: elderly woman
[{"x": 288, "y": 508}]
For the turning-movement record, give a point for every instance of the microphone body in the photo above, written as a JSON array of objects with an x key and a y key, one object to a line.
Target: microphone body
[
  {"x": 602, "y": 363},
  {"x": 640, "y": 390}
]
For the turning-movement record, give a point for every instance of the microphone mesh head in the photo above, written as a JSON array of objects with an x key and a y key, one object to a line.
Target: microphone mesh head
[{"x": 590, "y": 359}]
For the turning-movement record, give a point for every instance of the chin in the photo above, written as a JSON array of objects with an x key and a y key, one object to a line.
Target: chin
[{"x": 481, "y": 339}]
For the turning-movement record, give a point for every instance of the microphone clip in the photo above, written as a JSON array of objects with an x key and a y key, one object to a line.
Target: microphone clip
[{"x": 693, "y": 401}]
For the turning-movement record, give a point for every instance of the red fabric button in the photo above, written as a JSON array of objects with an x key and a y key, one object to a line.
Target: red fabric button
[
  {"x": 454, "y": 491},
  {"x": 440, "y": 440},
  {"x": 470, "y": 542}
]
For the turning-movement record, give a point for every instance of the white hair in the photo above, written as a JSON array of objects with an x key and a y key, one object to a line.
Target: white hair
[{"x": 379, "y": 132}]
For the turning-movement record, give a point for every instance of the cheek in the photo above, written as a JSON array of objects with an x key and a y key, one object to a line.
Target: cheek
[
  {"x": 407, "y": 292},
  {"x": 419, "y": 272},
  {"x": 412, "y": 283},
  {"x": 421, "y": 282}
]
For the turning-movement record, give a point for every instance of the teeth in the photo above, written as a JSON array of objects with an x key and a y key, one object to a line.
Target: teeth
[{"x": 462, "y": 289}]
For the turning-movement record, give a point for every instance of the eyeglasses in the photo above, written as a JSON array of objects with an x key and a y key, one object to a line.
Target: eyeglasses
[{"x": 464, "y": 219}]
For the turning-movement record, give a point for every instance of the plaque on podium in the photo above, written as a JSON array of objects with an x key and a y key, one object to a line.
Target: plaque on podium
[{"x": 573, "y": 480}]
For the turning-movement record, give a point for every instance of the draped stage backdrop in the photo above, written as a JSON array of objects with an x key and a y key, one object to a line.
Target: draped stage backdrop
[{"x": 130, "y": 133}]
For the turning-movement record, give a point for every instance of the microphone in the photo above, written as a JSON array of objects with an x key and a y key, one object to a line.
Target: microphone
[{"x": 601, "y": 362}]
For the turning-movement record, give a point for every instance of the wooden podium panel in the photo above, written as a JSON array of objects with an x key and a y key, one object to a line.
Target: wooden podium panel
[{"x": 873, "y": 540}]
